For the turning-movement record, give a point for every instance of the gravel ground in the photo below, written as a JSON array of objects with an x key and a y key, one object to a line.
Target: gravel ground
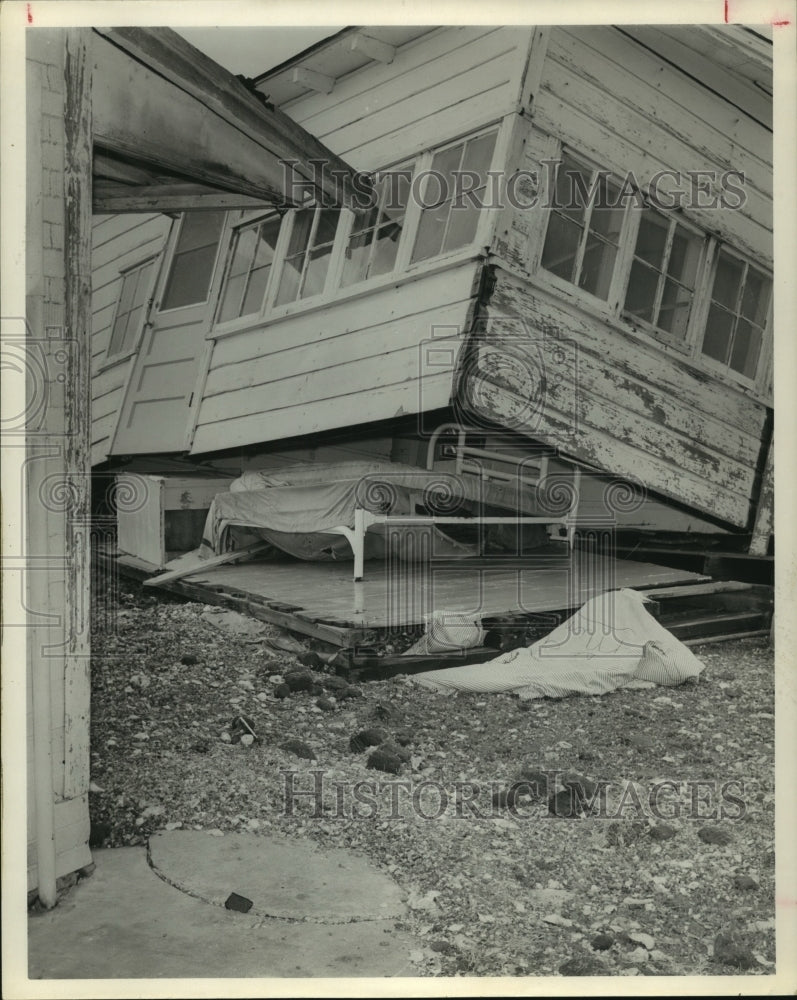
[{"x": 670, "y": 871}]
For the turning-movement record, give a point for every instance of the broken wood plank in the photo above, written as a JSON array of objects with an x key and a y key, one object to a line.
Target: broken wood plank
[{"x": 225, "y": 557}]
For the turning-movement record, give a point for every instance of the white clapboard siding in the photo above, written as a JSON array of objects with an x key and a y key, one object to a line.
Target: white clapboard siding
[
  {"x": 263, "y": 383},
  {"x": 437, "y": 87},
  {"x": 118, "y": 243},
  {"x": 599, "y": 100}
]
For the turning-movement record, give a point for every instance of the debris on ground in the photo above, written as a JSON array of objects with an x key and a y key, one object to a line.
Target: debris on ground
[{"x": 627, "y": 875}]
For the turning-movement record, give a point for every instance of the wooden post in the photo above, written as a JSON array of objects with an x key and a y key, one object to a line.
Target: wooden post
[
  {"x": 77, "y": 396},
  {"x": 764, "y": 518}
]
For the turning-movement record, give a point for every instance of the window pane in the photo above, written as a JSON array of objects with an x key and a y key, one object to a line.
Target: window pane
[
  {"x": 597, "y": 267},
  {"x": 189, "y": 279},
  {"x": 267, "y": 236},
  {"x": 727, "y": 280},
  {"x": 364, "y": 219},
  {"x": 387, "y": 241},
  {"x": 289, "y": 282},
  {"x": 230, "y": 303},
  {"x": 676, "y": 303},
  {"x": 606, "y": 219},
  {"x": 755, "y": 299},
  {"x": 684, "y": 257},
  {"x": 561, "y": 246},
  {"x": 199, "y": 229},
  {"x": 357, "y": 252},
  {"x": 746, "y": 349},
  {"x": 464, "y": 220},
  {"x": 396, "y": 193},
  {"x": 316, "y": 273},
  {"x": 300, "y": 234},
  {"x": 717, "y": 338},
  {"x": 572, "y": 189},
  {"x": 327, "y": 226},
  {"x": 133, "y": 300},
  {"x": 478, "y": 155},
  {"x": 431, "y": 230},
  {"x": 640, "y": 296},
  {"x": 441, "y": 186},
  {"x": 652, "y": 238}
]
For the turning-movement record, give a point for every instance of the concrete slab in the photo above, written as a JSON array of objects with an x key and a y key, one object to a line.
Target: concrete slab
[
  {"x": 283, "y": 878},
  {"x": 126, "y": 923}
]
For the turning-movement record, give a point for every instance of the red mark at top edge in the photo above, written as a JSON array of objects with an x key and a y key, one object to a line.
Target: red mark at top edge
[
  {"x": 726, "y": 11},
  {"x": 780, "y": 24},
  {"x": 30, "y": 14}
]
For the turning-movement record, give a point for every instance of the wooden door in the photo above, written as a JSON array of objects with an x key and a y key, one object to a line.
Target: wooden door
[{"x": 156, "y": 412}]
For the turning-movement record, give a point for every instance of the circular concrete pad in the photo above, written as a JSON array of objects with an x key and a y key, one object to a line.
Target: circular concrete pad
[{"x": 283, "y": 878}]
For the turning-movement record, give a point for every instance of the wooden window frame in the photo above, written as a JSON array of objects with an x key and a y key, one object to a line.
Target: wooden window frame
[
  {"x": 246, "y": 220},
  {"x": 172, "y": 253},
  {"x": 112, "y": 358},
  {"x": 611, "y": 308},
  {"x": 333, "y": 290}
]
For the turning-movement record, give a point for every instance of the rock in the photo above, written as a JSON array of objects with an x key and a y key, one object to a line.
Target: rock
[
  {"x": 239, "y": 903},
  {"x": 646, "y": 940},
  {"x": 638, "y": 955},
  {"x": 602, "y": 942},
  {"x": 565, "y": 804},
  {"x": 225, "y": 737},
  {"x": 140, "y": 681},
  {"x": 367, "y": 738},
  {"x": 350, "y": 692},
  {"x": 715, "y": 835},
  {"x": 300, "y": 680},
  {"x": 557, "y": 920},
  {"x": 744, "y": 882},
  {"x": 639, "y": 741},
  {"x": 325, "y": 704},
  {"x": 282, "y": 691},
  {"x": 201, "y": 746},
  {"x": 334, "y": 683},
  {"x": 403, "y": 738},
  {"x": 380, "y": 760},
  {"x": 310, "y": 659},
  {"x": 583, "y": 787},
  {"x": 442, "y": 947},
  {"x": 402, "y": 753},
  {"x": 509, "y": 798},
  {"x": 387, "y": 713},
  {"x": 731, "y": 951},
  {"x": 298, "y": 749},
  {"x": 247, "y": 739},
  {"x": 538, "y": 781},
  {"x": 241, "y": 726},
  {"x": 189, "y": 660},
  {"x": 583, "y": 965},
  {"x": 276, "y": 679},
  {"x": 662, "y": 831}
]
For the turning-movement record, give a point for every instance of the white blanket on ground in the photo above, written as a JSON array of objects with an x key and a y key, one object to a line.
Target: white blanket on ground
[{"x": 610, "y": 642}]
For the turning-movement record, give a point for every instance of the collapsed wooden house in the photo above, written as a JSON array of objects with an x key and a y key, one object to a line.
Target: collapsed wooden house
[{"x": 595, "y": 297}]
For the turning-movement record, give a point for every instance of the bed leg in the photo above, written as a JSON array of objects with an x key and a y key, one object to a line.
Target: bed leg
[{"x": 358, "y": 544}]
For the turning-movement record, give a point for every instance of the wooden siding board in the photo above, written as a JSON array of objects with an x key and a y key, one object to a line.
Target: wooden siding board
[
  {"x": 671, "y": 102},
  {"x": 620, "y": 405},
  {"x": 543, "y": 311},
  {"x": 326, "y": 414}
]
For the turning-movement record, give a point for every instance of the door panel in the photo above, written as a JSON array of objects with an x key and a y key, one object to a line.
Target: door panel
[{"x": 156, "y": 412}]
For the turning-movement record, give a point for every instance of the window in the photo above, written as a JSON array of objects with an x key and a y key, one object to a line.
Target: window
[
  {"x": 375, "y": 233},
  {"x": 665, "y": 282},
  {"x": 276, "y": 262},
  {"x": 661, "y": 285},
  {"x": 584, "y": 228},
  {"x": 306, "y": 264},
  {"x": 737, "y": 315},
  {"x": 131, "y": 309},
  {"x": 192, "y": 261},
  {"x": 250, "y": 263},
  {"x": 453, "y": 191}
]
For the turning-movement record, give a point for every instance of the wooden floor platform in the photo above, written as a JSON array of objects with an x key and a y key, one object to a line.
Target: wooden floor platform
[{"x": 403, "y": 594}]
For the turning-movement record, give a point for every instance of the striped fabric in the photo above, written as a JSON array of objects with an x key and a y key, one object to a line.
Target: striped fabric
[{"x": 610, "y": 642}]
